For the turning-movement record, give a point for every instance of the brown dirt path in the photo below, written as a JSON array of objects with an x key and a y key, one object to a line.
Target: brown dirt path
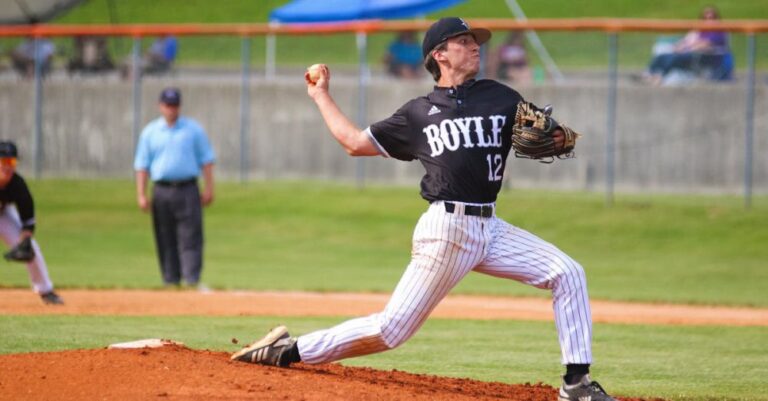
[
  {"x": 242, "y": 303},
  {"x": 179, "y": 373}
]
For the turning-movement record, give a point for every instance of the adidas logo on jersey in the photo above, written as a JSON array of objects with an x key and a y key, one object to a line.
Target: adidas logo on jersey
[{"x": 434, "y": 110}]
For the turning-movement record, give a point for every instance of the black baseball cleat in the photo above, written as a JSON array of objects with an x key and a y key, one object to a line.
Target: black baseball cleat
[
  {"x": 270, "y": 350},
  {"x": 51, "y": 298},
  {"x": 584, "y": 390}
]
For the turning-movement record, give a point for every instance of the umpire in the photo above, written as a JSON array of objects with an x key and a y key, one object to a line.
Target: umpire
[{"x": 172, "y": 151}]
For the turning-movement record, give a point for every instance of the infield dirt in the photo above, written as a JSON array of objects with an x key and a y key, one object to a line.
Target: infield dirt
[
  {"x": 179, "y": 373},
  {"x": 243, "y": 303}
]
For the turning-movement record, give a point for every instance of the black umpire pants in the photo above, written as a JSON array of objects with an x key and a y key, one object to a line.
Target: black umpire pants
[{"x": 177, "y": 218}]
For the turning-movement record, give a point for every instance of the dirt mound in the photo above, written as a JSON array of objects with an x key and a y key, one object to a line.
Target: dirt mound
[{"x": 180, "y": 373}]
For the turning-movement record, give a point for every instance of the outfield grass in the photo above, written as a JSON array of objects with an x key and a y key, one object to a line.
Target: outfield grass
[
  {"x": 319, "y": 236},
  {"x": 582, "y": 49},
  {"x": 676, "y": 363}
]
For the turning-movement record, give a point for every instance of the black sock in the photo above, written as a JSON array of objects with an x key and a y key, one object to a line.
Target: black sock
[
  {"x": 574, "y": 372},
  {"x": 290, "y": 355}
]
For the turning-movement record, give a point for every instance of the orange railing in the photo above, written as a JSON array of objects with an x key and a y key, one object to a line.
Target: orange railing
[{"x": 581, "y": 24}]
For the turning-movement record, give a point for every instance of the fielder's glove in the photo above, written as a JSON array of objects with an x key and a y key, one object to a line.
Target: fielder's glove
[
  {"x": 22, "y": 252},
  {"x": 532, "y": 134}
]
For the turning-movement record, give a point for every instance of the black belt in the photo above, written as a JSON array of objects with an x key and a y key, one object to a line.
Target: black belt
[
  {"x": 471, "y": 210},
  {"x": 176, "y": 184}
]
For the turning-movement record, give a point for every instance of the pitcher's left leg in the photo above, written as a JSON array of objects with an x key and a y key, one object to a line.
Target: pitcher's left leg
[{"x": 519, "y": 255}]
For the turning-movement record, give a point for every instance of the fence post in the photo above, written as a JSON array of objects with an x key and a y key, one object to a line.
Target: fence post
[
  {"x": 37, "y": 143},
  {"x": 271, "y": 47},
  {"x": 362, "y": 97},
  {"x": 613, "y": 45},
  {"x": 750, "y": 121},
  {"x": 245, "y": 102},
  {"x": 136, "y": 79}
]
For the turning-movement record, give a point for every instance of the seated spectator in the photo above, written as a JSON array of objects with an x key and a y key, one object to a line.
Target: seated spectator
[
  {"x": 158, "y": 59},
  {"x": 161, "y": 55},
  {"x": 24, "y": 55},
  {"x": 510, "y": 60},
  {"x": 699, "y": 52},
  {"x": 90, "y": 55},
  {"x": 403, "y": 58}
]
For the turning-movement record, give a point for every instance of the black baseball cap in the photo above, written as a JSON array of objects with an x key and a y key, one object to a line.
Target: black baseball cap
[
  {"x": 448, "y": 27},
  {"x": 171, "y": 96},
  {"x": 8, "y": 149}
]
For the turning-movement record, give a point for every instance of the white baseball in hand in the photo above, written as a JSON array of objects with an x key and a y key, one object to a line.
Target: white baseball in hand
[{"x": 314, "y": 72}]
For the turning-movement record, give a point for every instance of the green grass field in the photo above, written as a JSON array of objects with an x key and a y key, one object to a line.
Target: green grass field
[
  {"x": 569, "y": 50},
  {"x": 333, "y": 237}
]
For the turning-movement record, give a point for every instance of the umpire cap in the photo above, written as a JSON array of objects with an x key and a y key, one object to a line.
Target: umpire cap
[
  {"x": 171, "y": 96},
  {"x": 8, "y": 149},
  {"x": 448, "y": 27}
]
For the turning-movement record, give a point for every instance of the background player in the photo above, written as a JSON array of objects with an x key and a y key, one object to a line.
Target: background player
[
  {"x": 461, "y": 134},
  {"x": 17, "y": 223}
]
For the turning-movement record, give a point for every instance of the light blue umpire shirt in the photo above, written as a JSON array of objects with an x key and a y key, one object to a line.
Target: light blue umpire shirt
[{"x": 173, "y": 153}]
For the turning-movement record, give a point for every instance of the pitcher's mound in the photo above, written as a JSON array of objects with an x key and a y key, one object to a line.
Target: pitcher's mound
[{"x": 174, "y": 372}]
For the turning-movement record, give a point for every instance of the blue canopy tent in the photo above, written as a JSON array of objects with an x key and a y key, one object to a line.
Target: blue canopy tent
[{"x": 307, "y": 11}]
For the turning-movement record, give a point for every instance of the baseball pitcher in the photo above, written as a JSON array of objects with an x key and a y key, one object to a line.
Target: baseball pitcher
[{"x": 462, "y": 133}]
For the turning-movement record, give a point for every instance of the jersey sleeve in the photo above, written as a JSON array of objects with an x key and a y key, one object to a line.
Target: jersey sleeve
[
  {"x": 392, "y": 135},
  {"x": 24, "y": 202}
]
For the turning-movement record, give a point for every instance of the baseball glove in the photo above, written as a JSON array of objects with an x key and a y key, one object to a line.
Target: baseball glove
[
  {"x": 22, "y": 252},
  {"x": 532, "y": 134}
]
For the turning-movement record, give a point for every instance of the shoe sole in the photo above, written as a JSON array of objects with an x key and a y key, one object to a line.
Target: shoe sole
[
  {"x": 52, "y": 300},
  {"x": 270, "y": 338},
  {"x": 565, "y": 397}
]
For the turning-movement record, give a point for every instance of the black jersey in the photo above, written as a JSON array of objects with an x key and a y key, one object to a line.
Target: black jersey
[
  {"x": 17, "y": 192},
  {"x": 461, "y": 135}
]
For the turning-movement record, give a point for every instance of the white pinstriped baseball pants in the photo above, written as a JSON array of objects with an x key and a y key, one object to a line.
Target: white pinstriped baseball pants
[{"x": 447, "y": 246}]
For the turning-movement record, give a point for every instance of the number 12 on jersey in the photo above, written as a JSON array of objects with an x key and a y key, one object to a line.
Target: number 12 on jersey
[{"x": 494, "y": 167}]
